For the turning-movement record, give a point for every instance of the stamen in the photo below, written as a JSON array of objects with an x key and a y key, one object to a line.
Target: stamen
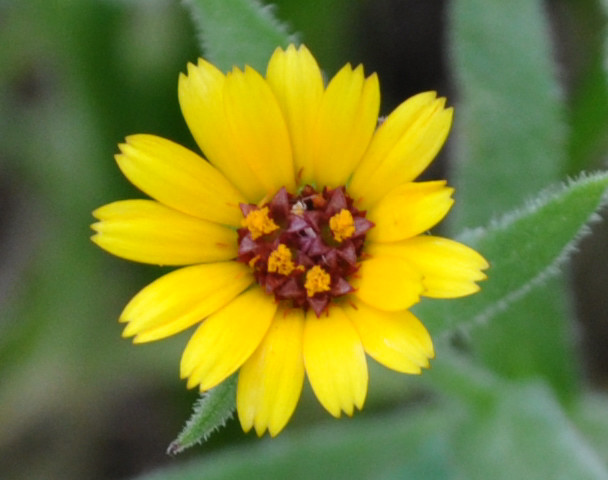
[
  {"x": 342, "y": 225},
  {"x": 317, "y": 280},
  {"x": 304, "y": 248},
  {"x": 259, "y": 223},
  {"x": 280, "y": 262}
]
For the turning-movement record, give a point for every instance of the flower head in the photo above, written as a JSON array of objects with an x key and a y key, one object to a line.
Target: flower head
[{"x": 301, "y": 238}]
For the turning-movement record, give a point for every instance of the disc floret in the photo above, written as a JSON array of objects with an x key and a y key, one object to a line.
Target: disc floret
[{"x": 304, "y": 248}]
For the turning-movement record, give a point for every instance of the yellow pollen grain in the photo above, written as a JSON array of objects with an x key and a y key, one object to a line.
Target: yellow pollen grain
[
  {"x": 259, "y": 223},
  {"x": 280, "y": 262},
  {"x": 317, "y": 280},
  {"x": 342, "y": 225}
]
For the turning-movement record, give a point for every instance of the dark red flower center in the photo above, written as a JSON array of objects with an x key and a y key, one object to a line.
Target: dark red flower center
[{"x": 304, "y": 248}]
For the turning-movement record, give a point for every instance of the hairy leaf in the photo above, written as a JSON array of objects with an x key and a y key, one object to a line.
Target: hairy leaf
[
  {"x": 510, "y": 134},
  {"x": 238, "y": 32},
  {"x": 524, "y": 248},
  {"x": 210, "y": 413}
]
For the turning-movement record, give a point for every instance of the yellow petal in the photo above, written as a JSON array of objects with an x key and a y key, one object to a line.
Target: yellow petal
[
  {"x": 449, "y": 269},
  {"x": 201, "y": 98},
  {"x": 408, "y": 210},
  {"x": 146, "y": 231},
  {"x": 297, "y": 83},
  {"x": 346, "y": 122},
  {"x": 388, "y": 283},
  {"x": 258, "y": 130},
  {"x": 180, "y": 179},
  {"x": 397, "y": 340},
  {"x": 335, "y": 362},
  {"x": 226, "y": 339},
  {"x": 270, "y": 381},
  {"x": 402, "y": 147},
  {"x": 182, "y": 298}
]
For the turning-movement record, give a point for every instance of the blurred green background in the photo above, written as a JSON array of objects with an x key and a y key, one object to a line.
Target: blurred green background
[{"x": 76, "y": 77}]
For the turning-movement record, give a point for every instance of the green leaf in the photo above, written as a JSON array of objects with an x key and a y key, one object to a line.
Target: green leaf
[
  {"x": 511, "y": 143},
  {"x": 510, "y": 132},
  {"x": 518, "y": 429},
  {"x": 237, "y": 32},
  {"x": 537, "y": 324},
  {"x": 405, "y": 444},
  {"x": 524, "y": 248},
  {"x": 211, "y": 411},
  {"x": 524, "y": 433}
]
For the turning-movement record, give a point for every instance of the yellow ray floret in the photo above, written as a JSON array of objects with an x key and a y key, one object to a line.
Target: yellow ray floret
[
  {"x": 297, "y": 82},
  {"x": 201, "y": 98},
  {"x": 397, "y": 340},
  {"x": 180, "y": 179},
  {"x": 218, "y": 348},
  {"x": 271, "y": 379},
  {"x": 258, "y": 130},
  {"x": 388, "y": 283},
  {"x": 183, "y": 298},
  {"x": 146, "y": 231},
  {"x": 408, "y": 210},
  {"x": 403, "y": 146},
  {"x": 335, "y": 362},
  {"x": 346, "y": 121},
  {"x": 449, "y": 269}
]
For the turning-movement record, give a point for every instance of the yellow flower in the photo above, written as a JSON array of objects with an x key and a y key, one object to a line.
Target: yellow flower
[{"x": 302, "y": 238}]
